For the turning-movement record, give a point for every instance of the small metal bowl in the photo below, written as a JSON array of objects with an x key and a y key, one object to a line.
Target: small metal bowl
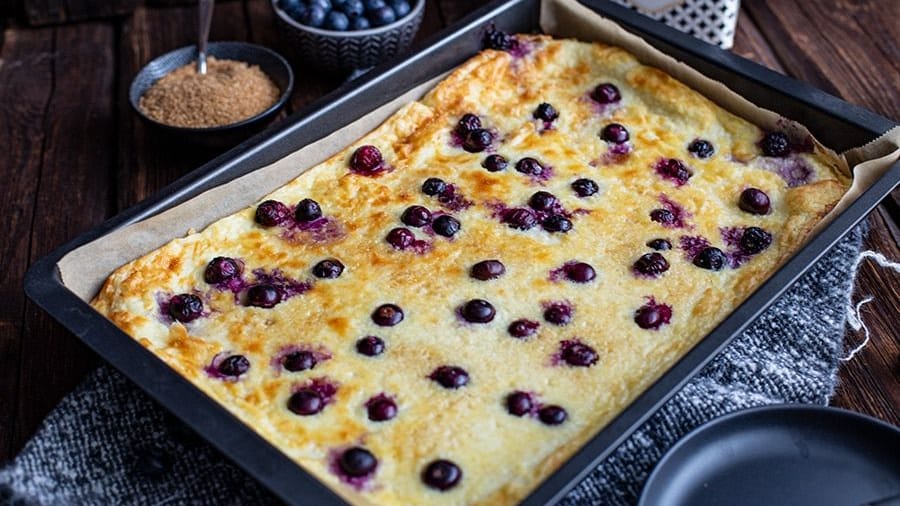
[
  {"x": 270, "y": 62},
  {"x": 350, "y": 50}
]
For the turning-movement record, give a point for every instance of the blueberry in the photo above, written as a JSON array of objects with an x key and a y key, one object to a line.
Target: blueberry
[
  {"x": 579, "y": 355},
  {"x": 352, "y": 8},
  {"x": 755, "y": 240},
  {"x": 614, "y": 133},
  {"x": 233, "y": 366},
  {"x": 468, "y": 123},
  {"x": 370, "y": 346},
  {"x": 450, "y": 376},
  {"x": 307, "y": 210},
  {"x": 314, "y": 16},
  {"x": 477, "y": 140},
  {"x": 387, "y": 315},
  {"x": 287, "y": 5},
  {"x": 652, "y": 316},
  {"x": 651, "y": 264},
  {"x": 445, "y": 225},
  {"x": 373, "y": 5},
  {"x": 324, "y": 4},
  {"x": 675, "y": 169},
  {"x": 299, "y": 361},
  {"x": 701, "y": 148},
  {"x": 366, "y": 160},
  {"x": 293, "y": 8},
  {"x": 522, "y": 219},
  {"x": 710, "y": 258},
  {"x": 580, "y": 272},
  {"x": 499, "y": 40},
  {"x": 297, "y": 12},
  {"x": 552, "y": 415},
  {"x": 306, "y": 402},
  {"x": 185, "y": 307},
  {"x": 400, "y": 238},
  {"x": 271, "y": 213},
  {"x": 754, "y": 201},
  {"x": 263, "y": 295},
  {"x": 557, "y": 223},
  {"x": 558, "y": 314},
  {"x": 433, "y": 186},
  {"x": 401, "y": 7},
  {"x": 519, "y": 403},
  {"x": 530, "y": 166},
  {"x": 359, "y": 23},
  {"x": 441, "y": 474},
  {"x": 584, "y": 187},
  {"x": 659, "y": 244},
  {"x": 221, "y": 269},
  {"x": 487, "y": 269},
  {"x": 543, "y": 201},
  {"x": 330, "y": 268},
  {"x": 775, "y": 144},
  {"x": 478, "y": 311},
  {"x": 663, "y": 216},
  {"x": 382, "y": 16},
  {"x": 381, "y": 409},
  {"x": 523, "y": 328},
  {"x": 337, "y": 21},
  {"x": 545, "y": 112},
  {"x": 358, "y": 462},
  {"x": 416, "y": 216},
  {"x": 494, "y": 163},
  {"x": 606, "y": 93}
]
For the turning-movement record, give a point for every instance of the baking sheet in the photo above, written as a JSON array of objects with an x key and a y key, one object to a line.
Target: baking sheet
[{"x": 84, "y": 269}]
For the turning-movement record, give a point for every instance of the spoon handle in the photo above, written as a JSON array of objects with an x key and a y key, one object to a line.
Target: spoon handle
[{"x": 205, "y": 17}]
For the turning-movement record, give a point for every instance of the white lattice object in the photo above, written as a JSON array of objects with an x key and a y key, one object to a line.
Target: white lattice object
[{"x": 710, "y": 20}]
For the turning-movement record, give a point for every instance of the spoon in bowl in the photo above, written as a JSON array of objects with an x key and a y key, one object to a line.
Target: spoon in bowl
[{"x": 205, "y": 8}]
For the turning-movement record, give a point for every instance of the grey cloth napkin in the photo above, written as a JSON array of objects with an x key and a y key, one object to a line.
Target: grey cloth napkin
[{"x": 108, "y": 443}]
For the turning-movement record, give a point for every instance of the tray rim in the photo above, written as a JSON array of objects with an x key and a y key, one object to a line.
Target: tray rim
[{"x": 274, "y": 469}]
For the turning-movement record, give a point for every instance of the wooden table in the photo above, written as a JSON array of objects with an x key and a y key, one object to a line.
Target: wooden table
[{"x": 72, "y": 153}]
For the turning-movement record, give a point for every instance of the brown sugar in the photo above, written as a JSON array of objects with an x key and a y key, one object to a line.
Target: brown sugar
[{"x": 229, "y": 92}]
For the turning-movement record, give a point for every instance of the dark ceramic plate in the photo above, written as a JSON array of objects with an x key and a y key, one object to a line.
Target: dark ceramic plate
[
  {"x": 790, "y": 455},
  {"x": 270, "y": 62}
]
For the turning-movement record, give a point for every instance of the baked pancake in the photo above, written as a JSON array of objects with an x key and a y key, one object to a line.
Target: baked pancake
[{"x": 446, "y": 310}]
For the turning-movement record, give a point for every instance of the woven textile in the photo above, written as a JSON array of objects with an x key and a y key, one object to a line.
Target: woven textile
[{"x": 107, "y": 443}]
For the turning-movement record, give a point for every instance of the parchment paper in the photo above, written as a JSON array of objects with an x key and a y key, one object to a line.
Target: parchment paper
[{"x": 84, "y": 269}]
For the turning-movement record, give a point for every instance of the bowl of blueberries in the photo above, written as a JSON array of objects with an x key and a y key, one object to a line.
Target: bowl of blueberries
[{"x": 345, "y": 35}]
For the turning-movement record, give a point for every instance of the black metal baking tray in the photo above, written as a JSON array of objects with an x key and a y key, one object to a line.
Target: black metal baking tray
[{"x": 837, "y": 124}]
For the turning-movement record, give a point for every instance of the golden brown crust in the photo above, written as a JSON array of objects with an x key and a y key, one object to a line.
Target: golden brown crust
[{"x": 502, "y": 457}]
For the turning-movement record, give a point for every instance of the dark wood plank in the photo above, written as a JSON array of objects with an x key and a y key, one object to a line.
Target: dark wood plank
[
  {"x": 849, "y": 48},
  {"x": 453, "y": 10},
  {"x": 71, "y": 195},
  {"x": 432, "y": 21},
  {"x": 26, "y": 85},
  {"x": 750, "y": 43},
  {"x": 44, "y": 12}
]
